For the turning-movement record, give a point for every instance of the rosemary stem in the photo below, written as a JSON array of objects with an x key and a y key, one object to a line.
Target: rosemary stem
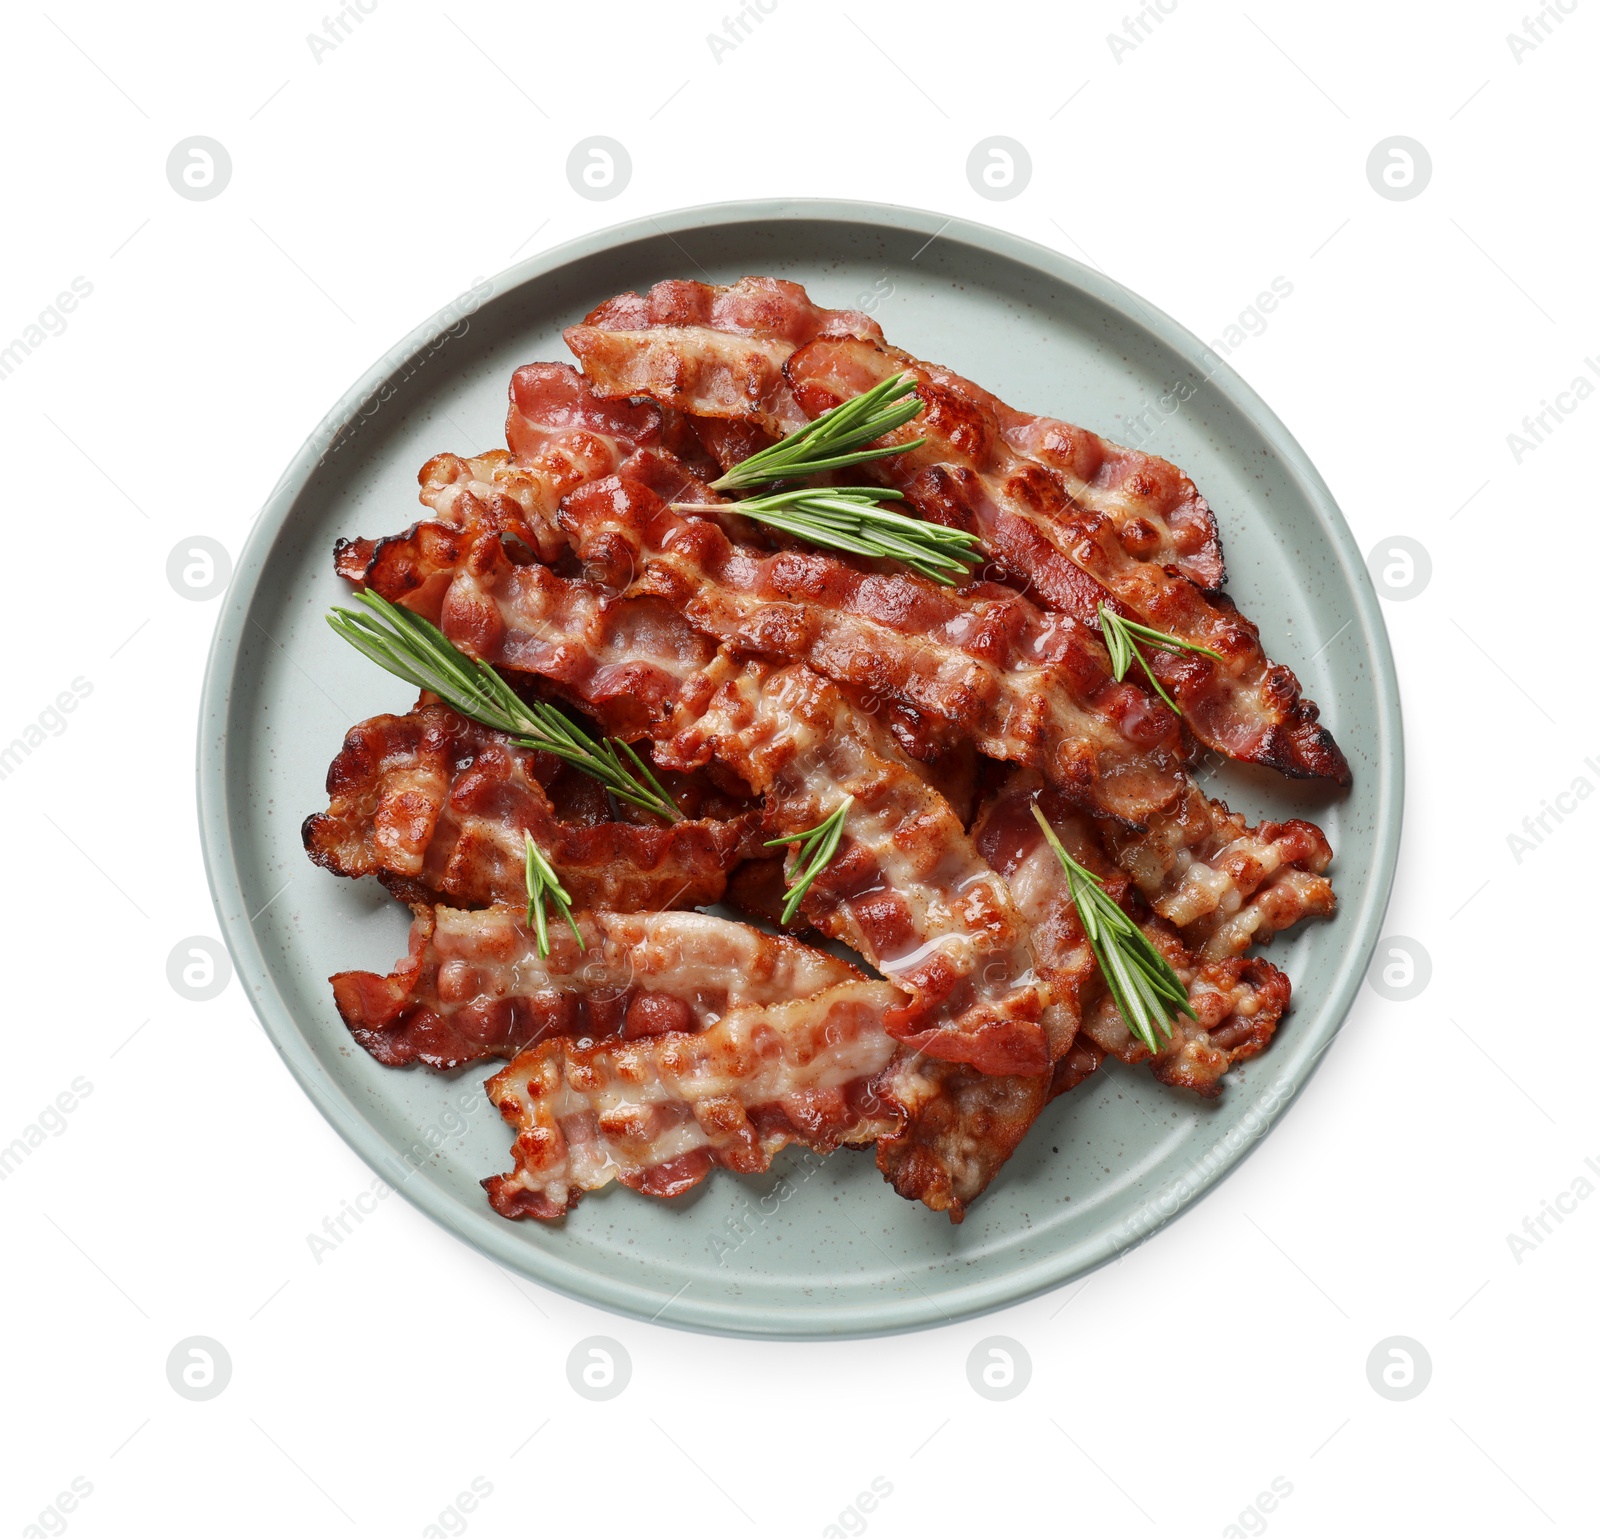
[
  {"x": 1144, "y": 985},
  {"x": 411, "y": 648},
  {"x": 818, "y": 846}
]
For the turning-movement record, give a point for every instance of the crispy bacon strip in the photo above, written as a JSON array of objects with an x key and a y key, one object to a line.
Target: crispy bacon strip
[
  {"x": 773, "y": 308},
  {"x": 660, "y": 1114},
  {"x": 716, "y": 351},
  {"x": 695, "y": 369},
  {"x": 1157, "y": 512},
  {"x": 1239, "y": 1002},
  {"x": 439, "y": 801},
  {"x": 474, "y": 986},
  {"x": 957, "y": 1129},
  {"x": 1237, "y": 889},
  {"x": 628, "y": 661},
  {"x": 1017, "y": 481},
  {"x": 561, "y": 434}
]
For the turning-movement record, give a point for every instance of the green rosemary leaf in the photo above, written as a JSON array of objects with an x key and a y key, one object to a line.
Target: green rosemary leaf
[
  {"x": 834, "y": 440},
  {"x": 645, "y": 773},
  {"x": 412, "y": 649},
  {"x": 1147, "y": 991},
  {"x": 1122, "y": 637},
  {"x": 817, "y": 847},
  {"x": 544, "y": 886},
  {"x": 851, "y": 518}
]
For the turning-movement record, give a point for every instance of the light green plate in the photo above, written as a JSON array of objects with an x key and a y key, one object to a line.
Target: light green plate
[{"x": 829, "y": 1250}]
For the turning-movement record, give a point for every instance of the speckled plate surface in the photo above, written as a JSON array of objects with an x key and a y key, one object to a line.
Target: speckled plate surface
[{"x": 814, "y": 1248}]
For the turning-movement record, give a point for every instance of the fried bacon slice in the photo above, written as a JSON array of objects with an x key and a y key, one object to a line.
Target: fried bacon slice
[
  {"x": 1157, "y": 512},
  {"x": 1238, "y": 886},
  {"x": 561, "y": 434},
  {"x": 1015, "y": 481},
  {"x": 719, "y": 351},
  {"x": 445, "y": 805},
  {"x": 957, "y": 1128},
  {"x": 658, "y": 1114},
  {"x": 773, "y": 308},
  {"x": 474, "y": 986},
  {"x": 629, "y": 662}
]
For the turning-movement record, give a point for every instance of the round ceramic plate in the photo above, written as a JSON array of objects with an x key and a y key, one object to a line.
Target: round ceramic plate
[{"x": 815, "y": 1247}]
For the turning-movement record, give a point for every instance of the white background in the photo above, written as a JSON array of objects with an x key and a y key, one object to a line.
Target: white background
[{"x": 372, "y": 185}]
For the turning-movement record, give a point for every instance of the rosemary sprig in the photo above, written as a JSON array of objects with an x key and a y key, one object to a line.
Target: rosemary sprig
[
  {"x": 850, "y": 518},
  {"x": 545, "y": 886},
  {"x": 817, "y": 847},
  {"x": 410, "y": 648},
  {"x": 1148, "y": 992},
  {"x": 1122, "y": 638},
  {"x": 834, "y": 440}
]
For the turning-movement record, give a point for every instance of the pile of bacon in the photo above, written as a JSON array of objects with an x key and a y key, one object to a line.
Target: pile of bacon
[{"x": 767, "y": 680}]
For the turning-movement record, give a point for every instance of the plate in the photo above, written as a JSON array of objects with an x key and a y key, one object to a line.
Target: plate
[{"x": 815, "y": 1248}]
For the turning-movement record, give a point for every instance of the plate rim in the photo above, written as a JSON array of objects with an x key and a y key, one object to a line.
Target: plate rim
[{"x": 883, "y": 1314}]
